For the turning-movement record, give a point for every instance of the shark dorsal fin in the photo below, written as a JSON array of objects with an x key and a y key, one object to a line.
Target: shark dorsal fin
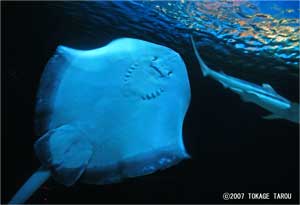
[{"x": 268, "y": 87}]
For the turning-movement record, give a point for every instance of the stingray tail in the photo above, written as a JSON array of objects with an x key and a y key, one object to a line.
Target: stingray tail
[{"x": 30, "y": 186}]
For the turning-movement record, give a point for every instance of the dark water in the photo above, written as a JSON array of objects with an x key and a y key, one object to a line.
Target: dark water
[{"x": 233, "y": 149}]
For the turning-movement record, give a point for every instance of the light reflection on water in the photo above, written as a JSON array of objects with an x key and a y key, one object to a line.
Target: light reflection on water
[{"x": 267, "y": 28}]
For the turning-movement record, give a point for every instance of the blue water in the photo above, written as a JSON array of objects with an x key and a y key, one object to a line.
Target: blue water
[{"x": 232, "y": 148}]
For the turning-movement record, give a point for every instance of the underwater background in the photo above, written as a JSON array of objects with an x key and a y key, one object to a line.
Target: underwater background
[{"x": 232, "y": 148}]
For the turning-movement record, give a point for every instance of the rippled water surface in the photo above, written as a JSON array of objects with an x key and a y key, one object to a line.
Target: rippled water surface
[
  {"x": 260, "y": 28},
  {"x": 259, "y": 35}
]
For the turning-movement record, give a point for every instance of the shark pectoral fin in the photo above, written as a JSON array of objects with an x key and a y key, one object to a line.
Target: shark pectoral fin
[
  {"x": 246, "y": 97},
  {"x": 65, "y": 152},
  {"x": 224, "y": 84},
  {"x": 271, "y": 117},
  {"x": 236, "y": 90}
]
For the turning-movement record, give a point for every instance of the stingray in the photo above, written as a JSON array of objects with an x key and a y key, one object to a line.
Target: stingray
[{"x": 108, "y": 114}]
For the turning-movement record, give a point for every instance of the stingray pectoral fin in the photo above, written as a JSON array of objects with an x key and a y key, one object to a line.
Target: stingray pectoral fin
[{"x": 66, "y": 152}]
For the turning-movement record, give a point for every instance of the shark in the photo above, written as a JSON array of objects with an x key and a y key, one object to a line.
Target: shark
[{"x": 262, "y": 95}]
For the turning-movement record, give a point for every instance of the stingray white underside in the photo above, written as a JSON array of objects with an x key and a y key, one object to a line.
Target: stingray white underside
[{"x": 111, "y": 113}]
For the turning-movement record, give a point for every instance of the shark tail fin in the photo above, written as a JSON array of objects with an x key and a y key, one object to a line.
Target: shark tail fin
[{"x": 205, "y": 70}]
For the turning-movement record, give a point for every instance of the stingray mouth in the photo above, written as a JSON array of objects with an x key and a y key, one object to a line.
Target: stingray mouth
[{"x": 146, "y": 79}]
